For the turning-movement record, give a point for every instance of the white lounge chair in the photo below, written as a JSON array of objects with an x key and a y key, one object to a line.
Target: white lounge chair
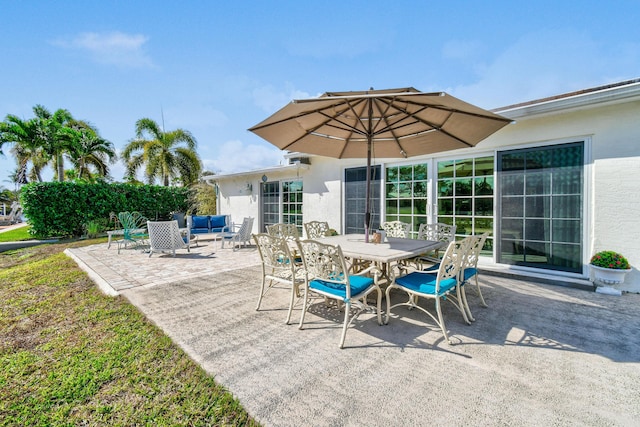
[
  {"x": 165, "y": 236},
  {"x": 242, "y": 237}
]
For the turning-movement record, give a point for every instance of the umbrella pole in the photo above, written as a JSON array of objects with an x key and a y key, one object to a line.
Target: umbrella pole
[{"x": 367, "y": 206}]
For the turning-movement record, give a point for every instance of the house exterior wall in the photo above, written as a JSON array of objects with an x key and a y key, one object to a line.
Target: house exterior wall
[{"x": 612, "y": 172}]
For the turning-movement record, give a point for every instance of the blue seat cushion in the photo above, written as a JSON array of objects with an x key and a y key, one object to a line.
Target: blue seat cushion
[
  {"x": 217, "y": 222},
  {"x": 433, "y": 267},
  {"x": 358, "y": 285},
  {"x": 469, "y": 273},
  {"x": 425, "y": 283},
  {"x": 200, "y": 222}
]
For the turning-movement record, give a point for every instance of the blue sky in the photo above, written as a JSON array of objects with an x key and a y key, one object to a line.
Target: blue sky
[{"x": 217, "y": 68}]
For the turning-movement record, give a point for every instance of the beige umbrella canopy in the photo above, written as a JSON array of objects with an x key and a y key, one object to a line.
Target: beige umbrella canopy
[{"x": 393, "y": 123}]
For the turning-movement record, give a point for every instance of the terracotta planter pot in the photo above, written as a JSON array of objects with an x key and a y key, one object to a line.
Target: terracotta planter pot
[{"x": 608, "y": 276}]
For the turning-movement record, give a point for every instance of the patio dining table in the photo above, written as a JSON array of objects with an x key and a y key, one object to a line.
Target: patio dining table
[{"x": 386, "y": 253}]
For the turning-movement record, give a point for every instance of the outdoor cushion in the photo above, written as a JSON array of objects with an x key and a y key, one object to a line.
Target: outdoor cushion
[
  {"x": 200, "y": 222},
  {"x": 358, "y": 284},
  {"x": 469, "y": 273},
  {"x": 218, "y": 222},
  {"x": 425, "y": 283}
]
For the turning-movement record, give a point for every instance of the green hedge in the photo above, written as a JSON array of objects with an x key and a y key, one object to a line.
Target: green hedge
[{"x": 63, "y": 209}]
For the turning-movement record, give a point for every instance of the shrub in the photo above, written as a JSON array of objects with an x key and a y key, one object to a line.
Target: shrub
[
  {"x": 63, "y": 209},
  {"x": 610, "y": 259}
]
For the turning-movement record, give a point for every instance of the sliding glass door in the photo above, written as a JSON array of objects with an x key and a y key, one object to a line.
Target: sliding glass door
[{"x": 540, "y": 207}]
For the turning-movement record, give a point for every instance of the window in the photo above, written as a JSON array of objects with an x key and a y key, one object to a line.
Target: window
[
  {"x": 292, "y": 203},
  {"x": 355, "y": 192},
  {"x": 541, "y": 199},
  {"x": 282, "y": 202},
  {"x": 465, "y": 196},
  {"x": 270, "y": 204},
  {"x": 406, "y": 189}
]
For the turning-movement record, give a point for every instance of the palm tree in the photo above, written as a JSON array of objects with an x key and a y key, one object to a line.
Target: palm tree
[
  {"x": 88, "y": 151},
  {"x": 38, "y": 141},
  {"x": 23, "y": 134},
  {"x": 50, "y": 132},
  {"x": 162, "y": 154}
]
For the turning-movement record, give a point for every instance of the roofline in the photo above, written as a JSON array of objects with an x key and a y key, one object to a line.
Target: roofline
[
  {"x": 611, "y": 93},
  {"x": 272, "y": 169}
]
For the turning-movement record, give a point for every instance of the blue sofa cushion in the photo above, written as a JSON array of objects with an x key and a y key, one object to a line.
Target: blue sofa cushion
[
  {"x": 200, "y": 223},
  {"x": 217, "y": 222}
]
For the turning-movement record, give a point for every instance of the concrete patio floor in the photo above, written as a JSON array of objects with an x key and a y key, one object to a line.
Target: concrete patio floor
[{"x": 539, "y": 355}]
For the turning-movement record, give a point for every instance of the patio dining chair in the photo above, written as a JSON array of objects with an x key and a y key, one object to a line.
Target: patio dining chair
[
  {"x": 328, "y": 278},
  {"x": 395, "y": 229},
  {"x": 278, "y": 267},
  {"x": 241, "y": 237},
  {"x": 284, "y": 231},
  {"x": 317, "y": 229},
  {"x": 441, "y": 286},
  {"x": 438, "y": 232},
  {"x": 469, "y": 269},
  {"x": 165, "y": 236}
]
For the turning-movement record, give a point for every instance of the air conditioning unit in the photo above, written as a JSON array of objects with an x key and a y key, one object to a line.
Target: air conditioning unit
[{"x": 299, "y": 160}]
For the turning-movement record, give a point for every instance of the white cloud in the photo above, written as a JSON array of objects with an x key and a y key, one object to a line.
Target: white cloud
[
  {"x": 235, "y": 156},
  {"x": 114, "y": 48}
]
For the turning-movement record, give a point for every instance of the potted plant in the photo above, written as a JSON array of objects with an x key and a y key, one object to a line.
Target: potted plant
[{"x": 609, "y": 267}]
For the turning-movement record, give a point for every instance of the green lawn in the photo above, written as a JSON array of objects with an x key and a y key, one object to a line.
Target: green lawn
[
  {"x": 70, "y": 355},
  {"x": 15, "y": 235}
]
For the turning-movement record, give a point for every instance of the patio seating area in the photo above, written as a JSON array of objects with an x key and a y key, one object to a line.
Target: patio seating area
[{"x": 538, "y": 355}]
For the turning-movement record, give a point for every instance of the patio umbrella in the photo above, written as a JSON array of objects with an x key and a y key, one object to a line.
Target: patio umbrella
[{"x": 391, "y": 123}]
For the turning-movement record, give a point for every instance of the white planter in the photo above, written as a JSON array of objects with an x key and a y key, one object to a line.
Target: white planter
[{"x": 607, "y": 276}]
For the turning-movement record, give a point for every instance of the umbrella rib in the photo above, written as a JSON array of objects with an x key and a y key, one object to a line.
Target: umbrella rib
[{"x": 390, "y": 128}]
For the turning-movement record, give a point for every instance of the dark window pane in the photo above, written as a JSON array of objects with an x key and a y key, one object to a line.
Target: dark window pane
[
  {"x": 567, "y": 206},
  {"x": 392, "y": 190},
  {"x": 538, "y": 183},
  {"x": 404, "y": 190},
  {"x": 405, "y": 207},
  {"x": 464, "y": 168},
  {"x": 463, "y": 226},
  {"x": 484, "y": 166},
  {"x": 445, "y": 188},
  {"x": 539, "y": 159},
  {"x": 512, "y": 184},
  {"x": 482, "y": 225},
  {"x": 537, "y": 207},
  {"x": 512, "y": 228},
  {"x": 537, "y": 229},
  {"x": 445, "y": 169},
  {"x": 406, "y": 173},
  {"x": 392, "y": 174},
  {"x": 567, "y": 231},
  {"x": 484, "y": 206},
  {"x": 445, "y": 206},
  {"x": 420, "y": 189},
  {"x": 420, "y": 172},
  {"x": 463, "y": 187},
  {"x": 513, "y": 207},
  {"x": 392, "y": 206},
  {"x": 567, "y": 181},
  {"x": 484, "y": 186},
  {"x": 463, "y": 206}
]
